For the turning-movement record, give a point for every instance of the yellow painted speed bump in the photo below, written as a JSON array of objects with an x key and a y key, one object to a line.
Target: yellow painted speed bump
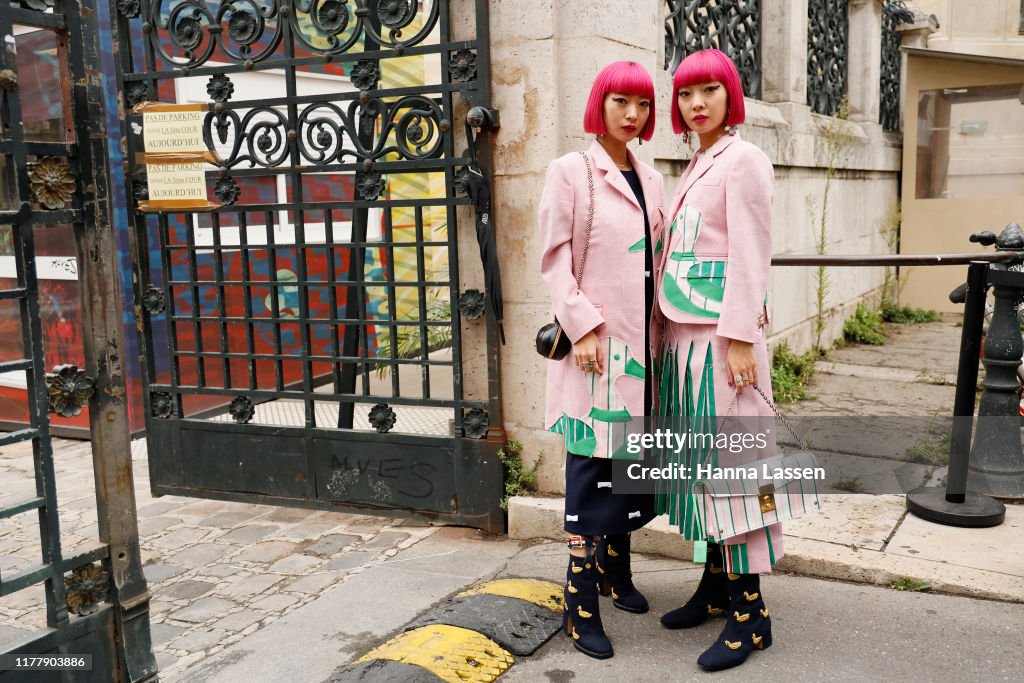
[
  {"x": 542, "y": 593},
  {"x": 454, "y": 654}
]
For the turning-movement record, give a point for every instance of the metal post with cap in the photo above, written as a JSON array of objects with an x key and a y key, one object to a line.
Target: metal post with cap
[{"x": 953, "y": 504}]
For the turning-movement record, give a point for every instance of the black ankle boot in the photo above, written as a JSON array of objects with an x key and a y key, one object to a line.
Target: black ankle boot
[
  {"x": 710, "y": 599},
  {"x": 581, "y": 618},
  {"x": 613, "y": 560},
  {"x": 749, "y": 627}
]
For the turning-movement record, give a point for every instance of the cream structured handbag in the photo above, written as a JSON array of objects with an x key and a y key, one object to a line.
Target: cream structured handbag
[{"x": 735, "y": 505}]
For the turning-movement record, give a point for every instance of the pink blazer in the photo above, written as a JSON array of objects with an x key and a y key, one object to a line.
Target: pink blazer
[
  {"x": 610, "y": 298},
  {"x": 715, "y": 269}
]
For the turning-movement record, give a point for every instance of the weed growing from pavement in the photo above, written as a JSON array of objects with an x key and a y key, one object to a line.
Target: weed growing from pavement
[
  {"x": 791, "y": 373},
  {"x": 890, "y": 230},
  {"x": 864, "y": 327},
  {"x": 909, "y": 583},
  {"x": 929, "y": 376},
  {"x": 930, "y": 450},
  {"x": 893, "y": 313},
  {"x": 839, "y": 137},
  {"x": 518, "y": 479},
  {"x": 851, "y": 485}
]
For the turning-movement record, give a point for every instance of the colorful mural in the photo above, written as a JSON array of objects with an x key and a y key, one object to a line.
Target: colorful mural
[{"x": 59, "y": 291}]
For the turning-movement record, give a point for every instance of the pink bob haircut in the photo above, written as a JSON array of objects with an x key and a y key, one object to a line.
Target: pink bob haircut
[
  {"x": 627, "y": 78},
  {"x": 704, "y": 66}
]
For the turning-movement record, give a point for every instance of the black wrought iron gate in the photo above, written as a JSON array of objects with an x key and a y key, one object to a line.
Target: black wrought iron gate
[
  {"x": 55, "y": 177},
  {"x": 304, "y": 342}
]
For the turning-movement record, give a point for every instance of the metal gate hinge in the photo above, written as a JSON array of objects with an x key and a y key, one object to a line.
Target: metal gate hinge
[{"x": 483, "y": 118}]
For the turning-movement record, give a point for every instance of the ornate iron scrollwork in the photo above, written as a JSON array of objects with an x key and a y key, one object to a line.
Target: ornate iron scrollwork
[
  {"x": 153, "y": 300},
  {"x": 328, "y": 132},
  {"x": 364, "y": 74},
  {"x": 332, "y": 17},
  {"x": 243, "y": 27},
  {"x": 87, "y": 587},
  {"x": 370, "y": 185},
  {"x": 462, "y": 67},
  {"x": 188, "y": 33},
  {"x": 460, "y": 183},
  {"x": 475, "y": 423},
  {"x": 394, "y": 13},
  {"x": 220, "y": 88},
  {"x": 828, "y": 29},
  {"x": 894, "y": 13},
  {"x": 242, "y": 410},
  {"x": 69, "y": 390},
  {"x": 226, "y": 190},
  {"x": 732, "y": 26},
  {"x": 129, "y": 8},
  {"x": 135, "y": 92},
  {"x": 382, "y": 418},
  {"x": 472, "y": 304},
  {"x": 53, "y": 182},
  {"x": 161, "y": 405}
]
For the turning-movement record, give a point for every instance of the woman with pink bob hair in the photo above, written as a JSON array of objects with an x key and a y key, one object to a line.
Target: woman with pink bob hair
[
  {"x": 601, "y": 217},
  {"x": 714, "y": 363}
]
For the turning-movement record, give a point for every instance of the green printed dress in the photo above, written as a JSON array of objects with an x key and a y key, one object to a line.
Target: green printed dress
[{"x": 711, "y": 291}]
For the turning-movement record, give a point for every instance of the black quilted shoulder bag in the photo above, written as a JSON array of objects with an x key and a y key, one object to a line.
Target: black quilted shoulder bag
[{"x": 552, "y": 343}]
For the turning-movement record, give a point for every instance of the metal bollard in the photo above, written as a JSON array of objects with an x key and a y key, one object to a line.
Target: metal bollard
[
  {"x": 997, "y": 460},
  {"x": 954, "y": 505}
]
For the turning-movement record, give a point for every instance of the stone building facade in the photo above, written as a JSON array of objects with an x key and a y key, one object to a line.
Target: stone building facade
[
  {"x": 544, "y": 58},
  {"x": 965, "y": 172}
]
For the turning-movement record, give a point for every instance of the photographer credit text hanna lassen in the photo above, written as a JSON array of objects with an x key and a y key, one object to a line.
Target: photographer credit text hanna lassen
[{"x": 752, "y": 472}]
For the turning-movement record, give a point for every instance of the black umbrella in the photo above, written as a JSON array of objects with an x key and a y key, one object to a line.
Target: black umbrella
[{"x": 479, "y": 190}]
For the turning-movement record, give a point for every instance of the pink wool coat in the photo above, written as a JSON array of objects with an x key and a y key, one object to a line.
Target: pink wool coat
[
  {"x": 610, "y": 298},
  {"x": 731, "y": 185}
]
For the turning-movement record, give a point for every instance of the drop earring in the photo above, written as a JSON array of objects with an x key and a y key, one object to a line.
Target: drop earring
[{"x": 686, "y": 137}]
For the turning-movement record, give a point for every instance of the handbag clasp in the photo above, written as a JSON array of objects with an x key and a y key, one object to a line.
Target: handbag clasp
[{"x": 766, "y": 497}]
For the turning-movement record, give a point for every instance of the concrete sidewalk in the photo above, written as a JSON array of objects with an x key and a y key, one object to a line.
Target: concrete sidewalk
[{"x": 867, "y": 538}]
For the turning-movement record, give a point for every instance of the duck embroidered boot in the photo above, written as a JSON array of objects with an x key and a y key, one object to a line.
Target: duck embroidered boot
[
  {"x": 616, "y": 578},
  {"x": 748, "y": 627},
  {"x": 581, "y": 618},
  {"x": 709, "y": 600}
]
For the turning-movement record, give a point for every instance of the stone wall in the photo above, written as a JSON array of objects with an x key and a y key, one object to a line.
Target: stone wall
[
  {"x": 545, "y": 56},
  {"x": 991, "y": 28}
]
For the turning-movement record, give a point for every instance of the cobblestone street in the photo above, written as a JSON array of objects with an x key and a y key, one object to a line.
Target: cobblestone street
[{"x": 217, "y": 571}]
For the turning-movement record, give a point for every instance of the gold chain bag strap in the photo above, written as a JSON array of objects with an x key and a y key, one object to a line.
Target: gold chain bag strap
[
  {"x": 734, "y": 505},
  {"x": 552, "y": 343}
]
